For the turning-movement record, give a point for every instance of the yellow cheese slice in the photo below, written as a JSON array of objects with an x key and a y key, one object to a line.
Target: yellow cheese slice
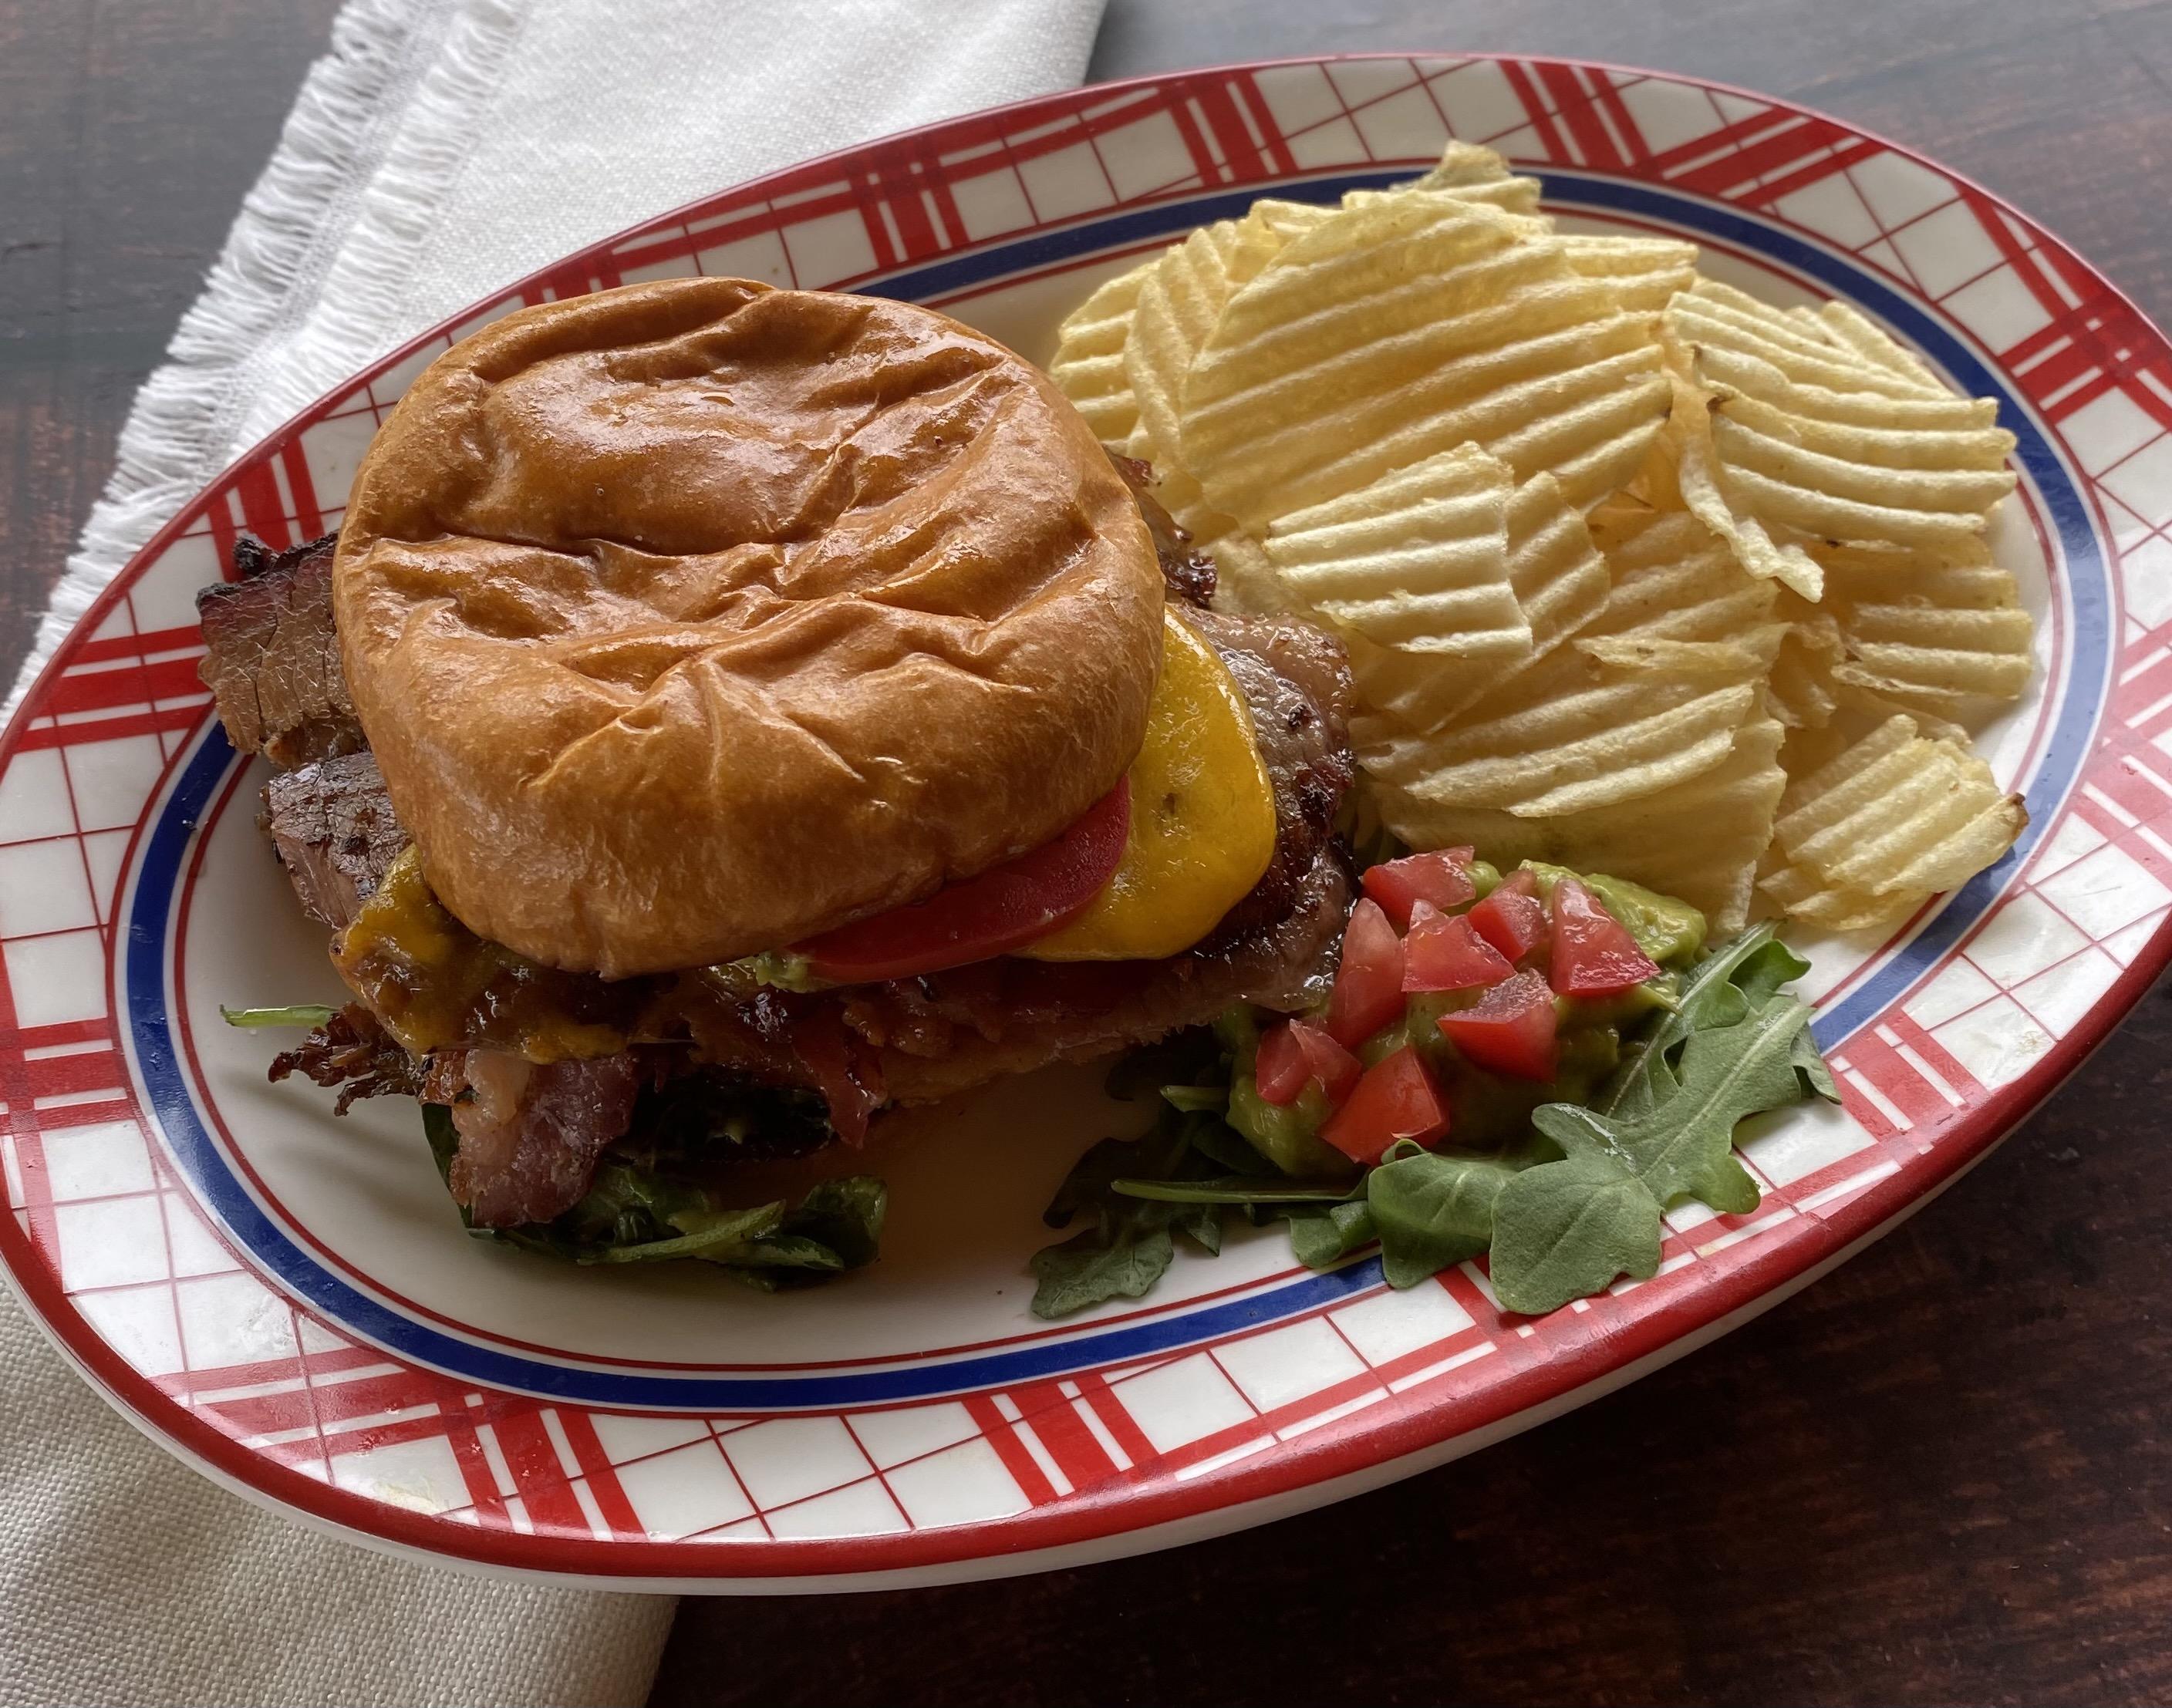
[{"x": 1202, "y": 819}]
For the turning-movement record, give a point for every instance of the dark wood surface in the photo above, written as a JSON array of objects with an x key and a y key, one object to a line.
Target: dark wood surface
[{"x": 1940, "y": 1475}]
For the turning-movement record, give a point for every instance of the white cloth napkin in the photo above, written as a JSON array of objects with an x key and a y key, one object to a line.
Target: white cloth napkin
[{"x": 438, "y": 152}]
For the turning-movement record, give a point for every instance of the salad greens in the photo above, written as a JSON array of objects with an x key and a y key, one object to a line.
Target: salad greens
[
  {"x": 297, "y": 1014},
  {"x": 635, "y": 1212},
  {"x": 1562, "y": 1209}
]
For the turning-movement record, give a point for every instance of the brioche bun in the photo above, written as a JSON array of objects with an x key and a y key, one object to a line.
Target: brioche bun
[{"x": 693, "y": 617}]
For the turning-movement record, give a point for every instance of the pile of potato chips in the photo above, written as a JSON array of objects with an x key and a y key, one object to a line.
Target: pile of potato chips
[{"x": 1637, "y": 572}]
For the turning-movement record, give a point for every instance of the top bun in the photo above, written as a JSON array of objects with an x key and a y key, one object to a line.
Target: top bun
[{"x": 693, "y": 617}]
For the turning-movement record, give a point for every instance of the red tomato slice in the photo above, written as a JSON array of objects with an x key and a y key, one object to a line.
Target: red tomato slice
[
  {"x": 1293, "y": 1054},
  {"x": 1511, "y": 918},
  {"x": 1003, "y": 909},
  {"x": 1442, "y": 953},
  {"x": 1327, "y": 1061},
  {"x": 1510, "y": 1031},
  {"x": 1396, "y": 1099},
  {"x": 1593, "y": 954},
  {"x": 1368, "y": 983},
  {"x": 1281, "y": 1069},
  {"x": 1441, "y": 878}
]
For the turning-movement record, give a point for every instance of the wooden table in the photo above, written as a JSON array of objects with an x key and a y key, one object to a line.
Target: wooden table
[{"x": 1939, "y": 1475}]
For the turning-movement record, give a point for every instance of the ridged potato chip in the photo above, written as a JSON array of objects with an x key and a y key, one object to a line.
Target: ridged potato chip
[
  {"x": 1179, "y": 303},
  {"x": 1843, "y": 322},
  {"x": 1417, "y": 562},
  {"x": 1648, "y": 694},
  {"x": 1699, "y": 839},
  {"x": 1560, "y": 582},
  {"x": 1645, "y": 272},
  {"x": 1088, "y": 364},
  {"x": 1465, "y": 168},
  {"x": 1941, "y": 635},
  {"x": 1404, "y": 327},
  {"x": 1800, "y": 692},
  {"x": 1788, "y": 439},
  {"x": 1893, "y": 819}
]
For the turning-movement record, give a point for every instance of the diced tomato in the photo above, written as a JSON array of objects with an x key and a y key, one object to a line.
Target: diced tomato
[
  {"x": 1442, "y": 878},
  {"x": 1442, "y": 953},
  {"x": 1512, "y": 917},
  {"x": 1281, "y": 1068},
  {"x": 992, "y": 914},
  {"x": 1594, "y": 954},
  {"x": 1510, "y": 1031},
  {"x": 1327, "y": 1061},
  {"x": 1368, "y": 983},
  {"x": 1396, "y": 1099},
  {"x": 1293, "y": 1054}
]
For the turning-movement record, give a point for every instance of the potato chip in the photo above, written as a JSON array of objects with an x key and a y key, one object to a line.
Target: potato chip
[
  {"x": 1844, "y": 324},
  {"x": 1649, "y": 692},
  {"x": 1179, "y": 303},
  {"x": 1800, "y": 691},
  {"x": 1417, "y": 561},
  {"x": 1560, "y": 582},
  {"x": 1894, "y": 818},
  {"x": 1699, "y": 839},
  {"x": 1788, "y": 439},
  {"x": 1404, "y": 327},
  {"x": 1284, "y": 220},
  {"x": 1088, "y": 364},
  {"x": 1469, "y": 171},
  {"x": 1942, "y": 635},
  {"x": 1645, "y": 272}
]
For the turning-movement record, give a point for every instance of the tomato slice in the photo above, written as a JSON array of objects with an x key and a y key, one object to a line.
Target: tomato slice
[
  {"x": 1512, "y": 917},
  {"x": 1396, "y": 1099},
  {"x": 1510, "y": 1031},
  {"x": 1293, "y": 1054},
  {"x": 1444, "y": 953},
  {"x": 1593, "y": 954},
  {"x": 1442, "y": 878},
  {"x": 991, "y": 914},
  {"x": 1368, "y": 983}
]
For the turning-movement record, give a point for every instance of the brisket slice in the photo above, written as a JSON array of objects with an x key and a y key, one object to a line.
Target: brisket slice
[
  {"x": 331, "y": 824},
  {"x": 271, "y": 657}
]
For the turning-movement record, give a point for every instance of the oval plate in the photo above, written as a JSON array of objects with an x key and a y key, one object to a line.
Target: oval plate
[{"x": 286, "y": 1300}]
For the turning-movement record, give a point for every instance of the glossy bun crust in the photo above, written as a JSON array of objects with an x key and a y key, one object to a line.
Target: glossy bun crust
[{"x": 690, "y": 619}]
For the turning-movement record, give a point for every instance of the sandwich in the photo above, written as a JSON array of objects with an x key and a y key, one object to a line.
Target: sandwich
[{"x": 725, "y": 712}]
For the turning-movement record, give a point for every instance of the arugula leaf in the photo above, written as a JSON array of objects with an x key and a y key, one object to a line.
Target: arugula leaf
[
  {"x": 847, "y": 1216},
  {"x": 1196, "y": 1099},
  {"x": 1126, "y": 1247},
  {"x": 1565, "y": 1229},
  {"x": 1102, "y": 1263},
  {"x": 1321, "y": 1235},
  {"x": 1686, "y": 1145},
  {"x": 1577, "y": 1223},
  {"x": 311, "y": 1014},
  {"x": 1235, "y": 1190},
  {"x": 1432, "y": 1210},
  {"x": 1810, "y": 1063}
]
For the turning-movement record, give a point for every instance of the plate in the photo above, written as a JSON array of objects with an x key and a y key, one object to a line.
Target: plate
[{"x": 285, "y": 1300}]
